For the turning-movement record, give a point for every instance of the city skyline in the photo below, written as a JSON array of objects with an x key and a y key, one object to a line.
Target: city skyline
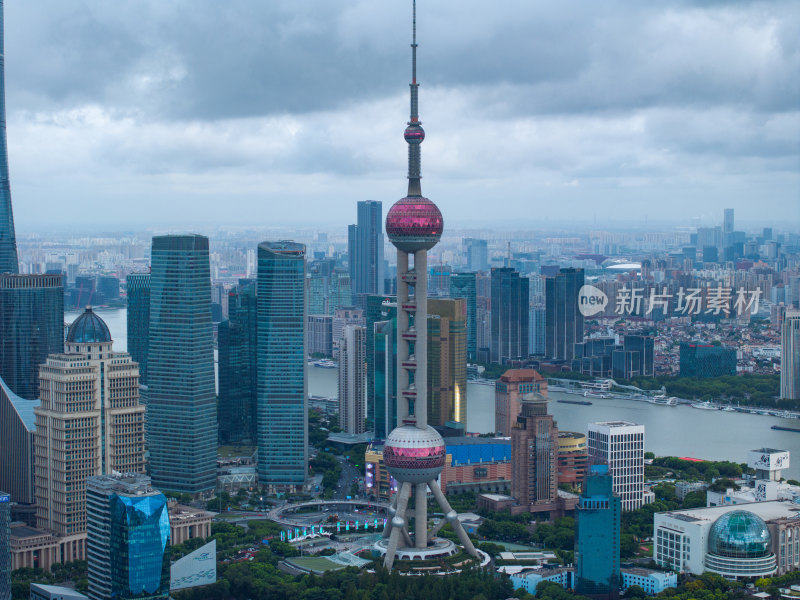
[{"x": 686, "y": 124}]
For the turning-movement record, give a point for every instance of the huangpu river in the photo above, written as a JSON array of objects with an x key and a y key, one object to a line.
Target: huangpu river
[{"x": 669, "y": 430}]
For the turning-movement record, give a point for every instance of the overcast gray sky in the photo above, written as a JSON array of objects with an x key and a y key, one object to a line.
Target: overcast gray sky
[{"x": 286, "y": 111}]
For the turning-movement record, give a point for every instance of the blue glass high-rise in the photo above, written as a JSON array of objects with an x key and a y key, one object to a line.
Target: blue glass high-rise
[
  {"x": 181, "y": 406},
  {"x": 510, "y": 313},
  {"x": 236, "y": 343},
  {"x": 128, "y": 538},
  {"x": 465, "y": 285},
  {"x": 597, "y": 541},
  {"x": 282, "y": 385},
  {"x": 138, "y": 285},
  {"x": 365, "y": 251},
  {"x": 31, "y": 328},
  {"x": 8, "y": 240}
]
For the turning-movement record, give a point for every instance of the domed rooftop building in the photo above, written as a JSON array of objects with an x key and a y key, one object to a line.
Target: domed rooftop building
[
  {"x": 739, "y": 545},
  {"x": 89, "y": 335}
]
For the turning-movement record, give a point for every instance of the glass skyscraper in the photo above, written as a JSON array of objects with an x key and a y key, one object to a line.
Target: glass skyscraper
[
  {"x": 181, "y": 407},
  {"x": 139, "y": 320},
  {"x": 464, "y": 285},
  {"x": 365, "y": 251},
  {"x": 128, "y": 538},
  {"x": 375, "y": 311},
  {"x": 236, "y": 342},
  {"x": 564, "y": 322},
  {"x": 597, "y": 537},
  {"x": 282, "y": 418},
  {"x": 509, "y": 329},
  {"x": 31, "y": 328},
  {"x": 8, "y": 240}
]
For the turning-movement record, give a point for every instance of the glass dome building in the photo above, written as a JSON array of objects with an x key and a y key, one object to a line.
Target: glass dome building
[{"x": 739, "y": 545}]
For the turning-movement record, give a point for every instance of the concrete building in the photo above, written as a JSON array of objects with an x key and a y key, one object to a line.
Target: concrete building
[
  {"x": 320, "y": 335},
  {"x": 768, "y": 464},
  {"x": 651, "y": 581},
  {"x": 341, "y": 318},
  {"x": 573, "y": 459},
  {"x": 187, "y": 522},
  {"x": 790, "y": 356},
  {"x": 754, "y": 540},
  {"x": 509, "y": 389},
  {"x": 620, "y": 445},
  {"x": 40, "y": 591},
  {"x": 352, "y": 380},
  {"x": 90, "y": 422},
  {"x": 534, "y": 455}
]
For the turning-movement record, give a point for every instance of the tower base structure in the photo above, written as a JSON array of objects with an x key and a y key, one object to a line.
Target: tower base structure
[{"x": 397, "y": 542}]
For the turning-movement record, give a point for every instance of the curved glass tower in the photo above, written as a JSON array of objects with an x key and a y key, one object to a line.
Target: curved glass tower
[{"x": 8, "y": 241}]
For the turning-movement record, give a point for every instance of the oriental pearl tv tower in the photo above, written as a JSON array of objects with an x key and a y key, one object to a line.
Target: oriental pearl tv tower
[{"x": 414, "y": 452}]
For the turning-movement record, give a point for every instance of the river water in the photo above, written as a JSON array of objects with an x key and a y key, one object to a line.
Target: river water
[{"x": 669, "y": 430}]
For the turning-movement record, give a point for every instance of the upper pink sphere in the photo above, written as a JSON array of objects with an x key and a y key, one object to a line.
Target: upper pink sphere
[{"x": 414, "y": 224}]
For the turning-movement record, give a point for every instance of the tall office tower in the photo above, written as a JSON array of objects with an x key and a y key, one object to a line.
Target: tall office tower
[
  {"x": 352, "y": 380},
  {"x": 534, "y": 455},
  {"x": 414, "y": 452},
  {"x": 5, "y": 543},
  {"x": 17, "y": 426},
  {"x": 447, "y": 362},
  {"x": 8, "y": 240},
  {"x": 790, "y": 356},
  {"x": 727, "y": 222},
  {"x": 477, "y": 254},
  {"x": 282, "y": 417},
  {"x": 138, "y": 285},
  {"x": 31, "y": 327},
  {"x": 464, "y": 285},
  {"x": 597, "y": 542},
  {"x": 374, "y": 312},
  {"x": 385, "y": 374},
  {"x": 620, "y": 445},
  {"x": 512, "y": 386},
  {"x": 236, "y": 347},
  {"x": 509, "y": 329},
  {"x": 564, "y": 322},
  {"x": 709, "y": 237},
  {"x": 365, "y": 251},
  {"x": 89, "y": 423},
  {"x": 341, "y": 292},
  {"x": 181, "y": 405},
  {"x": 108, "y": 286},
  {"x": 317, "y": 289},
  {"x": 128, "y": 538},
  {"x": 537, "y": 330}
]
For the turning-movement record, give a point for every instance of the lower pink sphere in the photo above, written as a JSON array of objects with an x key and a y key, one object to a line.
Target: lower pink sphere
[
  {"x": 414, "y": 223},
  {"x": 414, "y": 455}
]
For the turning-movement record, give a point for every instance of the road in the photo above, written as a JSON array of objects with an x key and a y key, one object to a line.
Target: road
[{"x": 349, "y": 475}]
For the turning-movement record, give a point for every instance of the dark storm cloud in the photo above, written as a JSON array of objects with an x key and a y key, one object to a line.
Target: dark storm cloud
[
  {"x": 154, "y": 99},
  {"x": 203, "y": 59}
]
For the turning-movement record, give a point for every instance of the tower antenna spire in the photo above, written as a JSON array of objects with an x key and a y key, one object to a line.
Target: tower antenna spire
[{"x": 414, "y": 133}]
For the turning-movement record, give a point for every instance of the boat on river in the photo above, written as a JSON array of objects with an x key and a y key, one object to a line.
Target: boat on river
[
  {"x": 663, "y": 400},
  {"x": 704, "y": 405}
]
